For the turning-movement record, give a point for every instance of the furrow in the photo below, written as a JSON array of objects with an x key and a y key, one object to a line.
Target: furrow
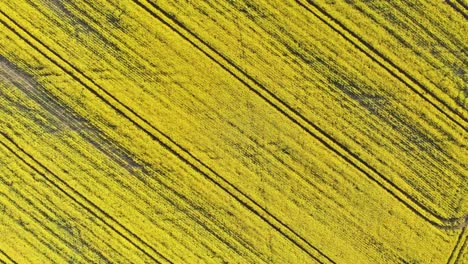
[
  {"x": 449, "y": 56},
  {"x": 172, "y": 146},
  {"x": 354, "y": 88},
  {"x": 58, "y": 249},
  {"x": 431, "y": 44},
  {"x": 370, "y": 172},
  {"x": 69, "y": 226},
  {"x": 300, "y": 120},
  {"x": 458, "y": 7},
  {"x": 431, "y": 32},
  {"x": 58, "y": 183},
  {"x": 459, "y": 248},
  {"x": 203, "y": 108},
  {"x": 462, "y": 255},
  {"x": 462, "y": 3},
  {"x": 386, "y": 63},
  {"x": 253, "y": 141},
  {"x": 62, "y": 114},
  {"x": 5, "y": 258},
  {"x": 27, "y": 238},
  {"x": 143, "y": 201},
  {"x": 438, "y": 67}
]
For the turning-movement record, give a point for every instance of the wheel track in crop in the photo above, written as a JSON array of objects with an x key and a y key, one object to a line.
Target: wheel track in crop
[
  {"x": 95, "y": 137},
  {"x": 49, "y": 230},
  {"x": 307, "y": 126},
  {"x": 8, "y": 258},
  {"x": 449, "y": 36},
  {"x": 168, "y": 143},
  {"x": 421, "y": 28},
  {"x": 384, "y": 62},
  {"x": 298, "y": 118},
  {"x": 463, "y": 248},
  {"x": 29, "y": 198},
  {"x": 458, "y": 6},
  {"x": 81, "y": 200},
  {"x": 220, "y": 65},
  {"x": 459, "y": 247}
]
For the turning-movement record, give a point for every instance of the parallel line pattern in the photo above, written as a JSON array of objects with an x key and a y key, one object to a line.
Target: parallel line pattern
[
  {"x": 8, "y": 258},
  {"x": 78, "y": 198},
  {"x": 302, "y": 122},
  {"x": 171, "y": 145},
  {"x": 385, "y": 63},
  {"x": 458, "y": 7},
  {"x": 424, "y": 215},
  {"x": 459, "y": 247}
]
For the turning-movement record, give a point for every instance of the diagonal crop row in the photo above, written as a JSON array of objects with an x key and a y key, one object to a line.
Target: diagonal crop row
[
  {"x": 459, "y": 247},
  {"x": 384, "y": 62},
  {"x": 78, "y": 198},
  {"x": 458, "y": 6},
  {"x": 296, "y": 117},
  {"x": 168, "y": 143},
  {"x": 3, "y": 256}
]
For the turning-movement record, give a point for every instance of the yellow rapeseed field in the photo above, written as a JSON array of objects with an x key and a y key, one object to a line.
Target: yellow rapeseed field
[{"x": 233, "y": 131}]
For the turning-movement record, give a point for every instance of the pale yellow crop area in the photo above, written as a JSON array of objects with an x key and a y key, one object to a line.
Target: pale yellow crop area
[{"x": 137, "y": 131}]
